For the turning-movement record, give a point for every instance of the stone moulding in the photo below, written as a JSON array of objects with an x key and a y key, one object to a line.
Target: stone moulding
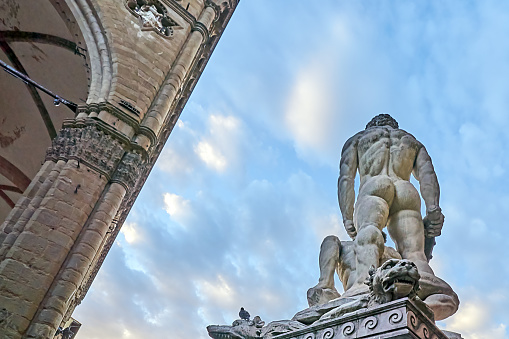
[
  {"x": 131, "y": 118},
  {"x": 396, "y": 319}
]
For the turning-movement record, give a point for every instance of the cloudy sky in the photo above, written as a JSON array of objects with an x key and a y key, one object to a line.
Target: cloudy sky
[{"x": 235, "y": 210}]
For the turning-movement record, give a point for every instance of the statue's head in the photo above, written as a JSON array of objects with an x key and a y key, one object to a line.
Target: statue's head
[{"x": 383, "y": 120}]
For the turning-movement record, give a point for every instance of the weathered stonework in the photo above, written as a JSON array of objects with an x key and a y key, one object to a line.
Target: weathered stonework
[
  {"x": 88, "y": 145},
  {"x": 143, "y": 59},
  {"x": 129, "y": 170}
]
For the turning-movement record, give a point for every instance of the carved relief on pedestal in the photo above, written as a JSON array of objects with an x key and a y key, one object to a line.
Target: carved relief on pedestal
[
  {"x": 153, "y": 15},
  {"x": 89, "y": 145}
]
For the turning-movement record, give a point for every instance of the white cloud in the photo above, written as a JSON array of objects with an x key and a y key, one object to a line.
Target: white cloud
[
  {"x": 309, "y": 114},
  {"x": 328, "y": 225},
  {"x": 211, "y": 156},
  {"x": 175, "y": 161},
  {"x": 130, "y": 232},
  {"x": 218, "y": 291},
  {"x": 474, "y": 321},
  {"x": 220, "y": 148},
  {"x": 177, "y": 207}
]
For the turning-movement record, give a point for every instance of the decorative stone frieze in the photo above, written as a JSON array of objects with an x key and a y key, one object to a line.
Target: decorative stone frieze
[
  {"x": 153, "y": 15},
  {"x": 397, "y": 319},
  {"x": 88, "y": 145}
]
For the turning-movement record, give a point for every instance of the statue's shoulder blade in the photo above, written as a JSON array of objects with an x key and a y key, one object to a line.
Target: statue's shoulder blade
[
  {"x": 352, "y": 142},
  {"x": 408, "y": 137}
]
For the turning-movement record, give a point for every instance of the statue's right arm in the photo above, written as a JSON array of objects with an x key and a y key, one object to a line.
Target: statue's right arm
[
  {"x": 346, "y": 192},
  {"x": 430, "y": 191}
]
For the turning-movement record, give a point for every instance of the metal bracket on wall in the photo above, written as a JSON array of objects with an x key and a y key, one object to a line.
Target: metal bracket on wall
[{"x": 57, "y": 99}]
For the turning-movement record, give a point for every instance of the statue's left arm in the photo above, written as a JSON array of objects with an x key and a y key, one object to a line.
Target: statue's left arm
[
  {"x": 346, "y": 182},
  {"x": 430, "y": 191}
]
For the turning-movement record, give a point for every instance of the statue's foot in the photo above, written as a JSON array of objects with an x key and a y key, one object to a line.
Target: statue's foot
[
  {"x": 319, "y": 295},
  {"x": 353, "y": 305}
]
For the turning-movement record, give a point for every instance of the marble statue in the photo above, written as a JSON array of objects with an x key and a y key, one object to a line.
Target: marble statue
[
  {"x": 389, "y": 292},
  {"x": 385, "y": 157}
]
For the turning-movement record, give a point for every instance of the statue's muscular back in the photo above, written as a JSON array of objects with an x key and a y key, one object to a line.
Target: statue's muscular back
[{"x": 386, "y": 158}]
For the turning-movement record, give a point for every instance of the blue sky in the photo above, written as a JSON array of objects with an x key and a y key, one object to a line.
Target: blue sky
[{"x": 244, "y": 191}]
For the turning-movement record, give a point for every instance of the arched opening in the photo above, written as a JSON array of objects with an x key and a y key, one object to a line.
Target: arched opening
[{"x": 42, "y": 40}]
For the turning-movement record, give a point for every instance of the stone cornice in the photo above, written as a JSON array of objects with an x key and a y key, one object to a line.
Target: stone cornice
[
  {"x": 202, "y": 29},
  {"x": 148, "y": 133},
  {"x": 113, "y": 110}
]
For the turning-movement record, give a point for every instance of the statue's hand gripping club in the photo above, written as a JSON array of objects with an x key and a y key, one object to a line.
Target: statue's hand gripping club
[
  {"x": 433, "y": 222},
  {"x": 350, "y": 228}
]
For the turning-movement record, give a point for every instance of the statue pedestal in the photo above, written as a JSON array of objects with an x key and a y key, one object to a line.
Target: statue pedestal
[{"x": 397, "y": 319}]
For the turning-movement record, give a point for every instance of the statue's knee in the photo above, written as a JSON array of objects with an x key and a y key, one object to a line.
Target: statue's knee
[
  {"x": 370, "y": 235},
  {"x": 443, "y": 305},
  {"x": 331, "y": 239},
  {"x": 332, "y": 245}
]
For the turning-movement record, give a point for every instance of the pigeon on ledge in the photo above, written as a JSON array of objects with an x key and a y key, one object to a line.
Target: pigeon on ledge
[{"x": 243, "y": 314}]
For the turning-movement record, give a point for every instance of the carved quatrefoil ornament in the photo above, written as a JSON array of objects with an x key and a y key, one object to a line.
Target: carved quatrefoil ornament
[{"x": 153, "y": 15}]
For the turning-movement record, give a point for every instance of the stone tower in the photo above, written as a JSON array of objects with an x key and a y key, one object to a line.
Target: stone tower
[{"x": 120, "y": 72}]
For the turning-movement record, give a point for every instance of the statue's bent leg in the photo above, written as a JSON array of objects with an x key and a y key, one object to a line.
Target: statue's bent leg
[
  {"x": 370, "y": 219},
  {"x": 325, "y": 290},
  {"x": 438, "y": 295},
  {"x": 329, "y": 257}
]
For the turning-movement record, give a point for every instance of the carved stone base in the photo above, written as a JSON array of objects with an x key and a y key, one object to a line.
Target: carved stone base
[{"x": 397, "y": 319}]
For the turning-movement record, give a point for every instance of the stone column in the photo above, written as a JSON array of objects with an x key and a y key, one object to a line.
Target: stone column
[
  {"x": 56, "y": 229},
  {"x": 55, "y": 303},
  {"x": 155, "y": 118}
]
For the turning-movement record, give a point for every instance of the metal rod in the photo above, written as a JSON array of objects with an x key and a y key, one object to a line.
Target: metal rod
[{"x": 27, "y": 80}]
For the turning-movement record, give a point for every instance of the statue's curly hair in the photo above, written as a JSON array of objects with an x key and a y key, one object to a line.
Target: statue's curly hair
[{"x": 383, "y": 120}]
